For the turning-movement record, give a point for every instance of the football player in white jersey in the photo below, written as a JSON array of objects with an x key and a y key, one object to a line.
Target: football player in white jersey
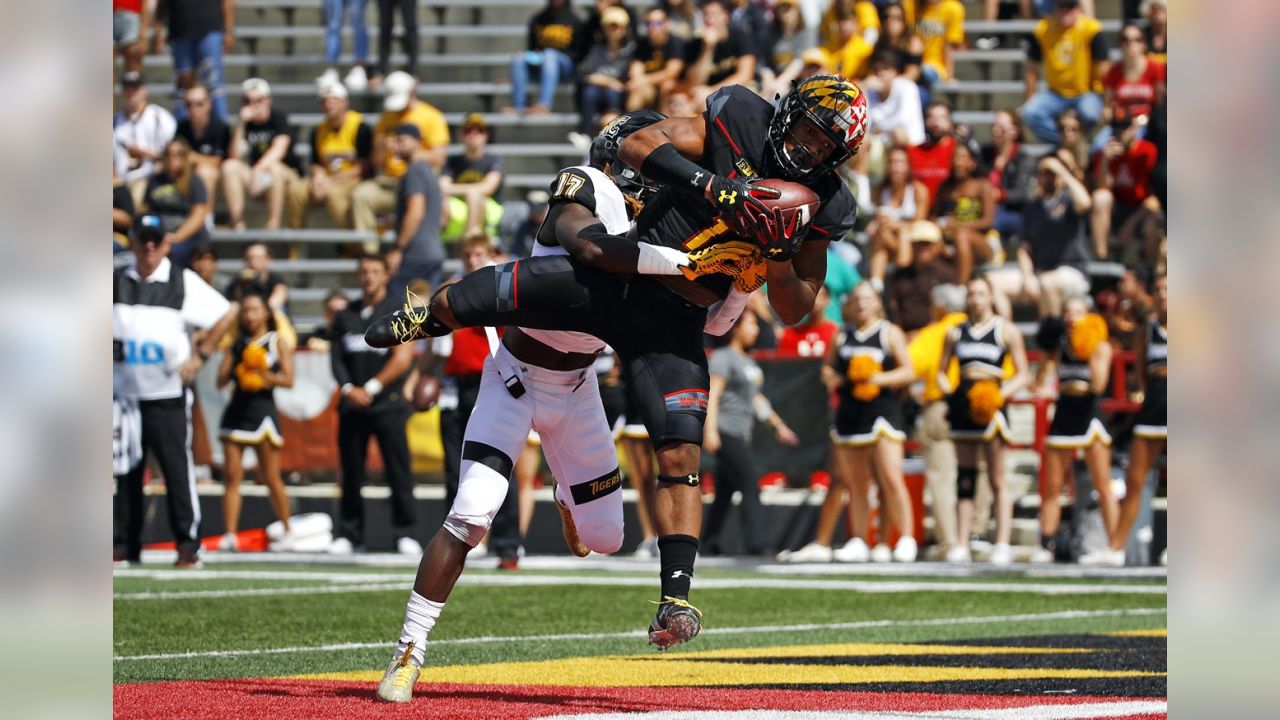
[{"x": 545, "y": 381}]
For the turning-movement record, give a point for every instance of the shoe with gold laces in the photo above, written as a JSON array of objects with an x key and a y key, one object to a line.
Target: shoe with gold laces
[
  {"x": 409, "y": 323},
  {"x": 402, "y": 674},
  {"x": 677, "y": 621}
]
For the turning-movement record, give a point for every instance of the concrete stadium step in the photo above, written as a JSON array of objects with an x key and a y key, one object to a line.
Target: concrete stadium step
[{"x": 448, "y": 97}]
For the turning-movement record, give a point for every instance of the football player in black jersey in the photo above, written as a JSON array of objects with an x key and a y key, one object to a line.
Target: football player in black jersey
[{"x": 649, "y": 300}]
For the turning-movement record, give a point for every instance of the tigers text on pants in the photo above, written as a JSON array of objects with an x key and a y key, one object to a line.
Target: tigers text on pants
[{"x": 565, "y": 408}]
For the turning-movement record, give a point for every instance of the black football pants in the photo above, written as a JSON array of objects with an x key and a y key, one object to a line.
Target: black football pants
[
  {"x": 355, "y": 427},
  {"x": 166, "y": 434}
]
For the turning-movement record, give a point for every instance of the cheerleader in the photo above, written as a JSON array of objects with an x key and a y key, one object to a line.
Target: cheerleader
[
  {"x": 258, "y": 362},
  {"x": 1081, "y": 357},
  {"x": 1150, "y": 433},
  {"x": 980, "y": 346},
  {"x": 866, "y": 369}
]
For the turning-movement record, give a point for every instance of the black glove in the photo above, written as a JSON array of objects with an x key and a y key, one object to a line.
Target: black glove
[{"x": 739, "y": 206}]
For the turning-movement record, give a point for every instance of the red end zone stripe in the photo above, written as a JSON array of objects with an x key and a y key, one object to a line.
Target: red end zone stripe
[
  {"x": 270, "y": 698},
  {"x": 725, "y": 132}
]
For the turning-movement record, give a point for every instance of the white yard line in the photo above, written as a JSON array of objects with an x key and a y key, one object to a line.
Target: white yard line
[
  {"x": 1081, "y": 711},
  {"x": 749, "y": 630},
  {"x": 354, "y": 584}
]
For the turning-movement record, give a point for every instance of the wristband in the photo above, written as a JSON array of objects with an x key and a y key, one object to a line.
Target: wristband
[
  {"x": 373, "y": 387},
  {"x": 667, "y": 166},
  {"x": 659, "y": 260},
  {"x": 346, "y": 388}
]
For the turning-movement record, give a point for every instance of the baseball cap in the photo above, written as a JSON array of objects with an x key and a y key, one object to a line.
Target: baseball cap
[
  {"x": 814, "y": 56},
  {"x": 537, "y": 198},
  {"x": 133, "y": 78},
  {"x": 257, "y": 86},
  {"x": 148, "y": 225},
  {"x": 475, "y": 120},
  {"x": 333, "y": 89},
  {"x": 409, "y": 129},
  {"x": 399, "y": 86},
  {"x": 1067, "y": 4},
  {"x": 924, "y": 231},
  {"x": 615, "y": 16}
]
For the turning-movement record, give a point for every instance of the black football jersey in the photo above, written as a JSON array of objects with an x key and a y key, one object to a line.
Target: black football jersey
[{"x": 736, "y": 145}]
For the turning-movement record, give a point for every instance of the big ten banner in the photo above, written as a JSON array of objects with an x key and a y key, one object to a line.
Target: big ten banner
[
  {"x": 794, "y": 386},
  {"x": 309, "y": 421}
]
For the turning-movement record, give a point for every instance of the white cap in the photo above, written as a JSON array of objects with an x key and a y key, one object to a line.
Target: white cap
[
  {"x": 257, "y": 86},
  {"x": 399, "y": 86},
  {"x": 333, "y": 89}
]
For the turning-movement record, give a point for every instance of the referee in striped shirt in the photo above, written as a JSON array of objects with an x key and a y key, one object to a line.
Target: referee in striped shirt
[{"x": 155, "y": 307}]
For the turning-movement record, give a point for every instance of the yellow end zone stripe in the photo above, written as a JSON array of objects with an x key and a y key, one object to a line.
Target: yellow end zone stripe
[{"x": 1159, "y": 632}]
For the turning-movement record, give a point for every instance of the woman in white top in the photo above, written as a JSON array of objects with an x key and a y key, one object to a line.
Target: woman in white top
[{"x": 901, "y": 201}]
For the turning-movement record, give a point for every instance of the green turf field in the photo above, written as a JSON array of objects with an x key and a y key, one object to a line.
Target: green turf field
[{"x": 247, "y": 619}]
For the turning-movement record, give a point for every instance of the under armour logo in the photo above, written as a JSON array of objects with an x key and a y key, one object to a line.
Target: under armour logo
[
  {"x": 727, "y": 197},
  {"x": 679, "y": 573},
  {"x": 696, "y": 178}
]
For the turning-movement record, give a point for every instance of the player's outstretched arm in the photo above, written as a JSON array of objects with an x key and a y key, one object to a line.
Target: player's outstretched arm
[{"x": 580, "y": 232}]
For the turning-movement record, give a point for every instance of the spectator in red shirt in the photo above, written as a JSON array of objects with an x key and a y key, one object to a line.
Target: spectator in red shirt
[
  {"x": 813, "y": 335},
  {"x": 1133, "y": 86},
  {"x": 931, "y": 160},
  {"x": 1123, "y": 197}
]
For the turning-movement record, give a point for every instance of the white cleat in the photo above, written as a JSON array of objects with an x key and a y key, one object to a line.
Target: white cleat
[
  {"x": 881, "y": 554},
  {"x": 1001, "y": 554},
  {"x": 854, "y": 551},
  {"x": 1105, "y": 557},
  {"x": 906, "y": 550},
  {"x": 228, "y": 543},
  {"x": 1041, "y": 556},
  {"x": 409, "y": 546},
  {"x": 402, "y": 674},
  {"x": 813, "y": 552},
  {"x": 959, "y": 554},
  {"x": 341, "y": 546}
]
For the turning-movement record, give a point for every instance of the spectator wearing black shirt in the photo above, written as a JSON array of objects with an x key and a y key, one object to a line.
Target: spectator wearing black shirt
[
  {"x": 418, "y": 203},
  {"x": 593, "y": 27},
  {"x": 373, "y": 404},
  {"x": 207, "y": 136},
  {"x": 179, "y": 197},
  {"x": 787, "y": 37},
  {"x": 602, "y": 74},
  {"x": 1051, "y": 257},
  {"x": 341, "y": 156},
  {"x": 121, "y": 214},
  {"x": 257, "y": 278},
  {"x": 200, "y": 31},
  {"x": 721, "y": 56},
  {"x": 471, "y": 182},
  {"x": 554, "y": 37},
  {"x": 261, "y": 161},
  {"x": 656, "y": 64},
  {"x": 1012, "y": 172}
]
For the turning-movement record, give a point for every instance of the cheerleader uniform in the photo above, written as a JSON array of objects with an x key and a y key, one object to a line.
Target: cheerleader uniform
[
  {"x": 977, "y": 349},
  {"x": 250, "y": 417},
  {"x": 1153, "y": 419},
  {"x": 858, "y": 422},
  {"x": 1077, "y": 416}
]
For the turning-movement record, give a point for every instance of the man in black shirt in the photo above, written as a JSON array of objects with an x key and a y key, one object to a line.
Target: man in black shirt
[
  {"x": 208, "y": 136},
  {"x": 722, "y": 57},
  {"x": 472, "y": 181},
  {"x": 373, "y": 403},
  {"x": 261, "y": 161},
  {"x": 657, "y": 63}
]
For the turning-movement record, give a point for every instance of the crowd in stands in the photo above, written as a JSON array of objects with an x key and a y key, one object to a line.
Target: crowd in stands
[{"x": 1072, "y": 176}]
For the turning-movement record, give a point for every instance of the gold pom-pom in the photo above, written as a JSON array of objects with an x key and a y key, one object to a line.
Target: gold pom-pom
[
  {"x": 1087, "y": 334},
  {"x": 249, "y": 379},
  {"x": 860, "y": 371},
  {"x": 866, "y": 392},
  {"x": 255, "y": 357},
  {"x": 985, "y": 400}
]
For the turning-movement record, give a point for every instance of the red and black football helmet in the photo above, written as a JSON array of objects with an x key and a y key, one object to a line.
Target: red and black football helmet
[{"x": 833, "y": 104}]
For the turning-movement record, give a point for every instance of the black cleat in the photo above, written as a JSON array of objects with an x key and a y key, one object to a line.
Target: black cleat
[
  {"x": 409, "y": 323},
  {"x": 677, "y": 621}
]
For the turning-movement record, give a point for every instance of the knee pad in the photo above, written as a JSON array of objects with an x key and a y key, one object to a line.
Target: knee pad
[
  {"x": 692, "y": 479},
  {"x": 600, "y": 536},
  {"x": 966, "y": 483},
  {"x": 482, "y": 487}
]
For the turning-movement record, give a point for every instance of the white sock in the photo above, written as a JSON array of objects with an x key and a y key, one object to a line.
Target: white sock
[{"x": 420, "y": 616}]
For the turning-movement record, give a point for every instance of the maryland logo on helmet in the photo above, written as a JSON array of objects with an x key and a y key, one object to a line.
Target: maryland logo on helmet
[
  {"x": 831, "y": 102},
  {"x": 830, "y": 91}
]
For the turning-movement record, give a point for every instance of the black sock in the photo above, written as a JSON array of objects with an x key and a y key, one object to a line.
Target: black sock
[
  {"x": 1049, "y": 542},
  {"x": 677, "y": 553}
]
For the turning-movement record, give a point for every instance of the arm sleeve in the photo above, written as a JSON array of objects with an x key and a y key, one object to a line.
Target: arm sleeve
[
  {"x": 416, "y": 181},
  {"x": 720, "y": 363},
  {"x": 202, "y": 306},
  {"x": 199, "y": 193}
]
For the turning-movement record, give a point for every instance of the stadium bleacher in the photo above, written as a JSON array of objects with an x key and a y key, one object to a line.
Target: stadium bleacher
[{"x": 463, "y": 64}]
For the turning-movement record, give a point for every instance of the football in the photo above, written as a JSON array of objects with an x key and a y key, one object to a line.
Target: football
[{"x": 796, "y": 201}]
